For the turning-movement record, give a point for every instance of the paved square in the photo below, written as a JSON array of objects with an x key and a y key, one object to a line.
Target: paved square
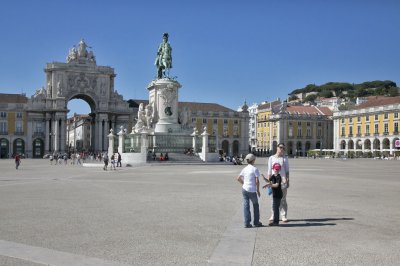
[{"x": 341, "y": 213}]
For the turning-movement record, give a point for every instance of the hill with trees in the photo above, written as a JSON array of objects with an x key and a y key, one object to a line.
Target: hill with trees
[{"x": 347, "y": 90}]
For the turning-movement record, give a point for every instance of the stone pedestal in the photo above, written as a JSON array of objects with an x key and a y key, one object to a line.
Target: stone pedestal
[{"x": 163, "y": 96}]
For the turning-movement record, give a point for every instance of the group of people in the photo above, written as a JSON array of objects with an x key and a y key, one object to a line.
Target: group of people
[
  {"x": 115, "y": 160},
  {"x": 162, "y": 156},
  {"x": 277, "y": 180}
]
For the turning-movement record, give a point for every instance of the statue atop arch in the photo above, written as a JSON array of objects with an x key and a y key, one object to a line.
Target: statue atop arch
[
  {"x": 164, "y": 58},
  {"x": 80, "y": 53}
]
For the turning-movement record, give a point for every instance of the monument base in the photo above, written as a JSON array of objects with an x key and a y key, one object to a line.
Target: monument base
[{"x": 167, "y": 128}]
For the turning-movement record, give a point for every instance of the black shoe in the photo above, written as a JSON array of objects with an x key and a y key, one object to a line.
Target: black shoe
[
  {"x": 258, "y": 225},
  {"x": 273, "y": 224},
  {"x": 248, "y": 226}
]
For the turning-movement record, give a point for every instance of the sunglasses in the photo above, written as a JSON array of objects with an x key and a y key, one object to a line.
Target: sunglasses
[{"x": 281, "y": 147}]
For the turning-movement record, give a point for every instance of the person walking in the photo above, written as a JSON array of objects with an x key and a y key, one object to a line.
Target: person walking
[
  {"x": 105, "y": 160},
  {"x": 249, "y": 178},
  {"x": 119, "y": 159},
  {"x": 112, "y": 162},
  {"x": 17, "y": 161},
  {"x": 281, "y": 159}
]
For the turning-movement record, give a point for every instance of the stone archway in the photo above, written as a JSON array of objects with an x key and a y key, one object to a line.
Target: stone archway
[
  {"x": 18, "y": 147},
  {"x": 235, "y": 148},
  {"x": 225, "y": 146},
  {"x": 4, "y": 148},
  {"x": 79, "y": 78},
  {"x": 350, "y": 144},
  {"x": 343, "y": 145},
  {"x": 38, "y": 148}
]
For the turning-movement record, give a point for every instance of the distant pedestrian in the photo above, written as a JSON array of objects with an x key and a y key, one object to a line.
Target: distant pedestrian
[
  {"x": 51, "y": 159},
  {"x": 78, "y": 157},
  {"x": 249, "y": 177},
  {"x": 105, "y": 160},
  {"x": 112, "y": 162},
  {"x": 17, "y": 161},
  {"x": 119, "y": 163}
]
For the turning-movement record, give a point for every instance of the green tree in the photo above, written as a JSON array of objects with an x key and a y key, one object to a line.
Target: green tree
[
  {"x": 394, "y": 91},
  {"x": 310, "y": 98}
]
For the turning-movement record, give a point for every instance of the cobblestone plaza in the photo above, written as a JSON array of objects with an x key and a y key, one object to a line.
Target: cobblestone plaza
[{"x": 341, "y": 212}]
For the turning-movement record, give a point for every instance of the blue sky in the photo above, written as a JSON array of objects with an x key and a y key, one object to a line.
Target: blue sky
[{"x": 223, "y": 51}]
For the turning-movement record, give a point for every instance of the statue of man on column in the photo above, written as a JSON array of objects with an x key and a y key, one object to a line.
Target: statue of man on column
[{"x": 164, "y": 58}]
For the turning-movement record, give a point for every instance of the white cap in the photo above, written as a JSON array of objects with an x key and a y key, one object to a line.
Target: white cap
[{"x": 250, "y": 157}]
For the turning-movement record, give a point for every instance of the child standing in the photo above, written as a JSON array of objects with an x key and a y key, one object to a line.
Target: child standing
[
  {"x": 249, "y": 177},
  {"x": 275, "y": 182}
]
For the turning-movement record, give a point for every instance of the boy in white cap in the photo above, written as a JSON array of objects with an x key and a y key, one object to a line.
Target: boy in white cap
[{"x": 249, "y": 178}]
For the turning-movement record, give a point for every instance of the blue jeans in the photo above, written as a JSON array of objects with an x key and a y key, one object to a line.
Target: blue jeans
[
  {"x": 246, "y": 207},
  {"x": 275, "y": 208}
]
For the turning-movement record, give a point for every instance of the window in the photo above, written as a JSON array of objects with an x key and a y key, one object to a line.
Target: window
[
  {"x": 204, "y": 120},
  {"x": 193, "y": 119},
  {"x": 358, "y": 130},
  {"x": 235, "y": 122},
  {"x": 216, "y": 122},
  {"x": 3, "y": 114},
  {"x": 343, "y": 120},
  {"x": 3, "y": 127},
  {"x": 290, "y": 132},
  {"x": 351, "y": 131},
  {"x": 367, "y": 118},
  {"x": 299, "y": 124},
  {"x": 19, "y": 115},
  {"x": 298, "y": 132},
  {"x": 396, "y": 115},
  {"x": 367, "y": 129},
  {"x": 308, "y": 132},
  {"x": 319, "y": 132},
  {"x": 386, "y": 129},
  {"x": 376, "y": 117},
  {"x": 319, "y": 124},
  {"x": 18, "y": 126},
  {"x": 308, "y": 124},
  {"x": 376, "y": 129},
  {"x": 350, "y": 120},
  {"x": 396, "y": 127},
  {"x": 386, "y": 115},
  {"x": 225, "y": 121},
  {"x": 342, "y": 131},
  {"x": 39, "y": 127},
  {"x": 358, "y": 119}
]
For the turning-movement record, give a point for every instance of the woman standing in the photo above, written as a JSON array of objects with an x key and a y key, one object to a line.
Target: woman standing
[{"x": 281, "y": 159}]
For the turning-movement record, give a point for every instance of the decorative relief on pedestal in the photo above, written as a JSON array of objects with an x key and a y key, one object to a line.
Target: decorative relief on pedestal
[{"x": 168, "y": 94}]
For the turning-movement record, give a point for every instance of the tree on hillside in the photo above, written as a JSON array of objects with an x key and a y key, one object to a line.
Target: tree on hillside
[
  {"x": 325, "y": 94},
  {"x": 310, "y": 98},
  {"x": 394, "y": 91}
]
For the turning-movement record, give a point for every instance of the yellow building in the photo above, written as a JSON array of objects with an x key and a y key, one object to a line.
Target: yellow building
[
  {"x": 301, "y": 129},
  {"x": 13, "y": 124},
  {"x": 263, "y": 130},
  {"x": 371, "y": 129}
]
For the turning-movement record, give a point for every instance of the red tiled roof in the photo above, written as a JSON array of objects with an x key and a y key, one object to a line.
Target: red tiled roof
[
  {"x": 312, "y": 110},
  {"x": 379, "y": 101},
  {"x": 12, "y": 98}
]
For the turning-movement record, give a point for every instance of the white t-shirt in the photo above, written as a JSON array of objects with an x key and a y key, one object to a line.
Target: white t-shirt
[
  {"x": 283, "y": 161},
  {"x": 249, "y": 174}
]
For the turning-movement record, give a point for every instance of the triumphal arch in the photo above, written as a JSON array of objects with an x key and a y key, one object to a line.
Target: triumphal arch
[{"x": 79, "y": 78}]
